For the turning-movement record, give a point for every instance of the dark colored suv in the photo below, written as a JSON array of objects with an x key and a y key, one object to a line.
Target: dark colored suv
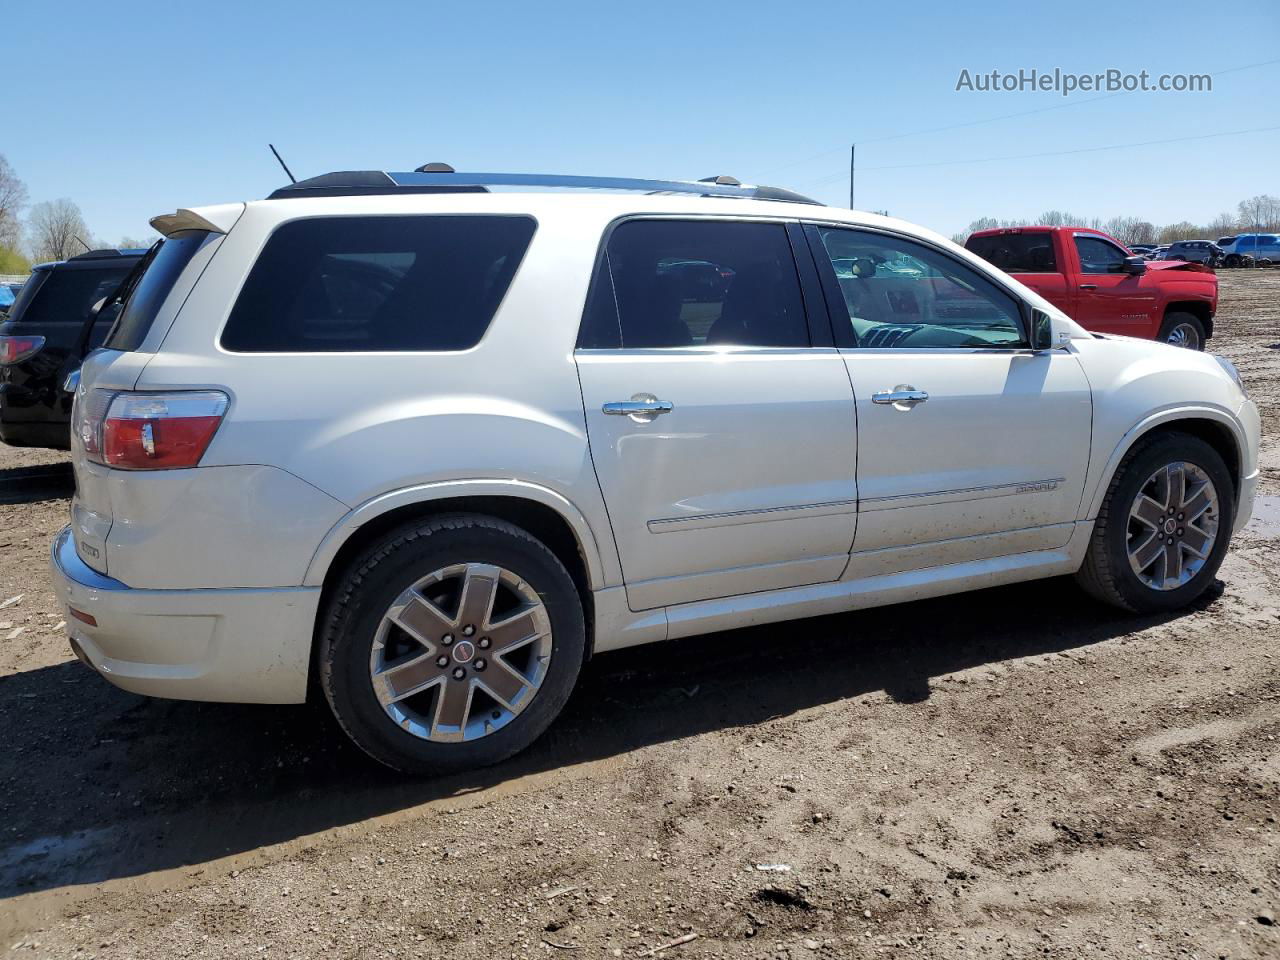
[
  {"x": 1194, "y": 251},
  {"x": 61, "y": 313}
]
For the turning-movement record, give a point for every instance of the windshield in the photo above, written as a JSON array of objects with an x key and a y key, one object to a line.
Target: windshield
[{"x": 143, "y": 302}]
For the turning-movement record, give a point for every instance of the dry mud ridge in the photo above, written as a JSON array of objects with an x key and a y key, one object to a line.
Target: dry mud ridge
[{"x": 1012, "y": 773}]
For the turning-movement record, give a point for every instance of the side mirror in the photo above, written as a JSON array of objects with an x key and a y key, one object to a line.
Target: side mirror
[
  {"x": 1135, "y": 265},
  {"x": 1041, "y": 331}
]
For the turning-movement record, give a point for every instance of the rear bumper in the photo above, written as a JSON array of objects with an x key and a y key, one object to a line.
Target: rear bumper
[
  {"x": 25, "y": 422},
  {"x": 234, "y": 645},
  {"x": 55, "y": 435}
]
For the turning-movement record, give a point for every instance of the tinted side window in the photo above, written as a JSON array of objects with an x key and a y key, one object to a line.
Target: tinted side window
[
  {"x": 364, "y": 284},
  {"x": 158, "y": 278},
  {"x": 68, "y": 294},
  {"x": 680, "y": 283},
  {"x": 904, "y": 295},
  {"x": 1098, "y": 256},
  {"x": 1016, "y": 252}
]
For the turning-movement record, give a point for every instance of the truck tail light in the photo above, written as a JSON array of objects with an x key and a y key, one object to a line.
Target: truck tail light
[
  {"x": 17, "y": 349},
  {"x": 147, "y": 431}
]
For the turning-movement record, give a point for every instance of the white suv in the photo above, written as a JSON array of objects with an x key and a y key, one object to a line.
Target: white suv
[{"x": 424, "y": 442}]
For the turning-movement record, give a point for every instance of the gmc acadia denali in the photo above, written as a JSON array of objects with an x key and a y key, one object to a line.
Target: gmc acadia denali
[{"x": 424, "y": 442}]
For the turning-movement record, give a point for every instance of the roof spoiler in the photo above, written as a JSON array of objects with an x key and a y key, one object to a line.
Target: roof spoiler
[{"x": 217, "y": 219}]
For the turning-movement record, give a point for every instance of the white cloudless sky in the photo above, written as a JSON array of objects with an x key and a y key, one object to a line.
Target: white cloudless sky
[{"x": 134, "y": 109}]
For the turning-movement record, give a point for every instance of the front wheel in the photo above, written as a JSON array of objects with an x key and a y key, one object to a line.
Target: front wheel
[
  {"x": 1164, "y": 526},
  {"x": 451, "y": 644},
  {"x": 1182, "y": 330}
]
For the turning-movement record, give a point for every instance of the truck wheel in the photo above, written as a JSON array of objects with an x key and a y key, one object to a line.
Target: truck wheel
[
  {"x": 451, "y": 644},
  {"x": 1182, "y": 330},
  {"x": 1163, "y": 528},
  {"x": 1233, "y": 261}
]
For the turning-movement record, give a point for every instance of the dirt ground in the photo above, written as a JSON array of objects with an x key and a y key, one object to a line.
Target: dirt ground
[{"x": 1010, "y": 773}]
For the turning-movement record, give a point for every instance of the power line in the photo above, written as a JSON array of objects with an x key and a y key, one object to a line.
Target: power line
[
  {"x": 1054, "y": 153},
  {"x": 1003, "y": 116}
]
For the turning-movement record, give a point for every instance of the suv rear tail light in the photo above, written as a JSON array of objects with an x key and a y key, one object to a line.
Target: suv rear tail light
[
  {"x": 148, "y": 431},
  {"x": 17, "y": 349}
]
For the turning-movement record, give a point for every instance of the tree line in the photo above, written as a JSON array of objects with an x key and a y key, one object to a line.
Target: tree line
[
  {"x": 51, "y": 230},
  {"x": 1257, "y": 214}
]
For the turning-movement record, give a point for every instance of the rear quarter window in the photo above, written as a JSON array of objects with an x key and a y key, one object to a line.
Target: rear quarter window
[
  {"x": 373, "y": 284},
  {"x": 1016, "y": 252}
]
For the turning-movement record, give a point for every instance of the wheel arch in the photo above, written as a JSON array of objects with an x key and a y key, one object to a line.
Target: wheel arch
[
  {"x": 543, "y": 513},
  {"x": 1200, "y": 309},
  {"x": 1215, "y": 427}
]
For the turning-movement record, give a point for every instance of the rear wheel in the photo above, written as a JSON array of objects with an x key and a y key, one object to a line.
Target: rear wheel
[
  {"x": 451, "y": 644},
  {"x": 1182, "y": 330},
  {"x": 1163, "y": 528}
]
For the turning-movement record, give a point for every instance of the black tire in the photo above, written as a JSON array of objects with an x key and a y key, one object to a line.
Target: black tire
[
  {"x": 1106, "y": 572},
  {"x": 374, "y": 580},
  {"x": 1232, "y": 261},
  {"x": 1188, "y": 323}
]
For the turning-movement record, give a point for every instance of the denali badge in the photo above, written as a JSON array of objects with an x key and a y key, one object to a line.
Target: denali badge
[{"x": 1040, "y": 486}]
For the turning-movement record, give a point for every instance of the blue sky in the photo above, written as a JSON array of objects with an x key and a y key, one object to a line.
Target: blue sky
[{"x": 133, "y": 109}]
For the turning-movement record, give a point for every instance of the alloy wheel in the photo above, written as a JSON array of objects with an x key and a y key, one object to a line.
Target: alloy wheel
[
  {"x": 1173, "y": 526},
  {"x": 461, "y": 653},
  {"x": 1184, "y": 335}
]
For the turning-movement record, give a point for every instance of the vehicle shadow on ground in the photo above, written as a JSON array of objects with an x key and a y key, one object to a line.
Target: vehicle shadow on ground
[
  {"x": 103, "y": 784},
  {"x": 51, "y": 481}
]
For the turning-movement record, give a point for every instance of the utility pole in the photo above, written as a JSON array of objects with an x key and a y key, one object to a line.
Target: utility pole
[{"x": 853, "y": 156}]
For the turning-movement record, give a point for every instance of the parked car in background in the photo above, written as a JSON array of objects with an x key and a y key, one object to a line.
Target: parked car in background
[
  {"x": 426, "y": 448},
  {"x": 1225, "y": 241},
  {"x": 1262, "y": 249},
  {"x": 1194, "y": 251},
  {"x": 1096, "y": 281},
  {"x": 1146, "y": 250},
  {"x": 52, "y": 324},
  {"x": 7, "y": 297}
]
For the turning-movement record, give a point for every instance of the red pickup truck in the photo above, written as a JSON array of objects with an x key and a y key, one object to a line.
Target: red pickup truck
[{"x": 1101, "y": 285}]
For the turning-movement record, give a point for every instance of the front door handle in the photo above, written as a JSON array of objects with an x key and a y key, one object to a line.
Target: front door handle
[
  {"x": 1088, "y": 286},
  {"x": 902, "y": 397},
  {"x": 641, "y": 408}
]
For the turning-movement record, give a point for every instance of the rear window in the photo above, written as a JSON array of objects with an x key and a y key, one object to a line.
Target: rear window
[
  {"x": 1016, "y": 252},
  {"x": 67, "y": 295},
  {"x": 142, "y": 306},
  {"x": 365, "y": 284}
]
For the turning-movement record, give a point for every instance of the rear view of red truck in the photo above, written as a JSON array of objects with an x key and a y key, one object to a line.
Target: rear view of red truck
[{"x": 1101, "y": 285}]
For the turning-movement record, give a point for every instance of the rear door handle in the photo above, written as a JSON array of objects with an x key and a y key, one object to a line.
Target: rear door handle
[
  {"x": 902, "y": 397},
  {"x": 1088, "y": 286},
  {"x": 641, "y": 408},
  {"x": 625, "y": 408}
]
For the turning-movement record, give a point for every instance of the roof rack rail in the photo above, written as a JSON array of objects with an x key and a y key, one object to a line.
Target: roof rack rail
[{"x": 372, "y": 182}]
